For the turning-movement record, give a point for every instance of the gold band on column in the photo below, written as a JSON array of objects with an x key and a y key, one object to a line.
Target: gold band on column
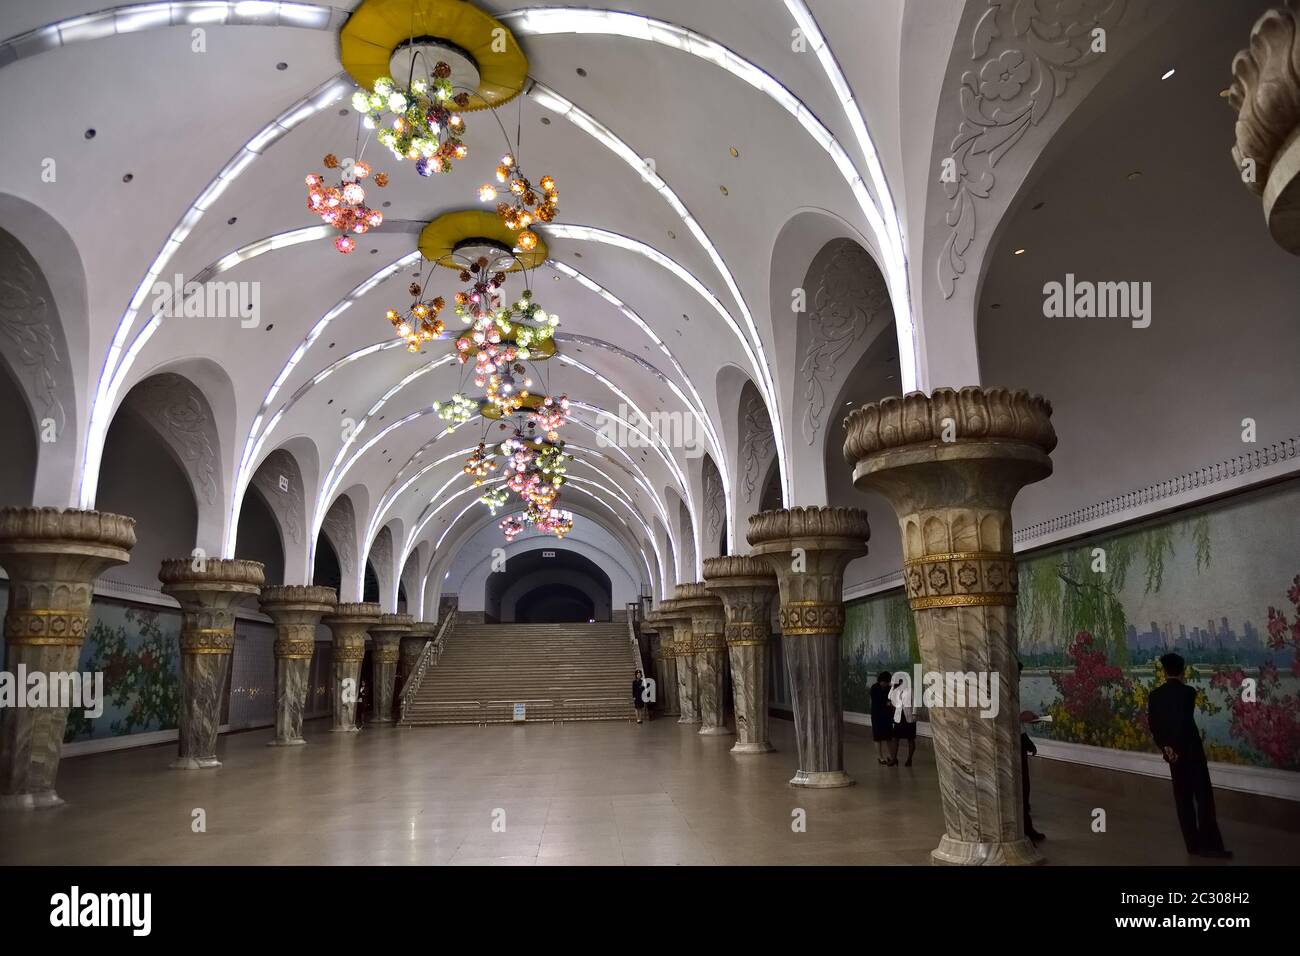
[
  {"x": 45, "y": 626},
  {"x": 295, "y": 650},
  {"x": 207, "y": 640},
  {"x": 961, "y": 579},
  {"x": 806, "y": 618}
]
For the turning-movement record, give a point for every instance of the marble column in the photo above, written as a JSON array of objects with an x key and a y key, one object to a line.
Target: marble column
[
  {"x": 808, "y": 549},
  {"x": 684, "y": 656},
  {"x": 296, "y": 610},
  {"x": 410, "y": 648},
  {"x": 710, "y": 656},
  {"x": 52, "y": 558},
  {"x": 666, "y": 659},
  {"x": 746, "y": 585},
  {"x": 951, "y": 464},
  {"x": 385, "y": 649},
  {"x": 349, "y": 624},
  {"x": 208, "y": 592},
  {"x": 1265, "y": 94}
]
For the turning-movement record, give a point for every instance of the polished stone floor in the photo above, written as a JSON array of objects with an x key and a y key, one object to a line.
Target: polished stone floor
[{"x": 582, "y": 793}]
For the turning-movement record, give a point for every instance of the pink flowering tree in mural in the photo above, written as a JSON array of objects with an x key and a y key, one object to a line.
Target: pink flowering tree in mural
[{"x": 1268, "y": 722}]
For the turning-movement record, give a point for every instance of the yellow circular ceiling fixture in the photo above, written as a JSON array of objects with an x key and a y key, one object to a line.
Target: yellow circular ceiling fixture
[
  {"x": 530, "y": 404},
  {"x": 382, "y": 35},
  {"x": 455, "y": 239}
]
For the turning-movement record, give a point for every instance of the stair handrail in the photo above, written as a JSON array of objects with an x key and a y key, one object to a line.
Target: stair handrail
[{"x": 431, "y": 649}]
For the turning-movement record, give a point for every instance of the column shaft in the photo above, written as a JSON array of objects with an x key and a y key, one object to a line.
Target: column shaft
[
  {"x": 349, "y": 624},
  {"x": 52, "y": 558},
  {"x": 296, "y": 610},
  {"x": 745, "y": 585}
]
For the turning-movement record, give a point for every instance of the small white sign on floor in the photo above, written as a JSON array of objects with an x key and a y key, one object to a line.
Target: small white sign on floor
[{"x": 520, "y": 712}]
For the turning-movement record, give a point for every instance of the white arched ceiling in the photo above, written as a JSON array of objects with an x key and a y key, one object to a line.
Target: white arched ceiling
[{"x": 660, "y": 277}]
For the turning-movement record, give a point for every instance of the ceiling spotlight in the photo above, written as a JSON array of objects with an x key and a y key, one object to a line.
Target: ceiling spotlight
[
  {"x": 1019, "y": 252},
  {"x": 580, "y": 71},
  {"x": 1167, "y": 75},
  {"x": 90, "y": 134},
  {"x": 735, "y": 152},
  {"x": 546, "y": 121},
  {"x": 1136, "y": 174},
  {"x": 724, "y": 191},
  {"x": 282, "y": 66}
]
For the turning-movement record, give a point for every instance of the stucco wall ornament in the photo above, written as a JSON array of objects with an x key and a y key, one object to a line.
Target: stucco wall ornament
[
  {"x": 178, "y": 410},
  {"x": 285, "y": 501},
  {"x": 757, "y": 443},
  {"x": 338, "y": 524},
  {"x": 1028, "y": 51},
  {"x": 26, "y": 334},
  {"x": 850, "y": 293}
]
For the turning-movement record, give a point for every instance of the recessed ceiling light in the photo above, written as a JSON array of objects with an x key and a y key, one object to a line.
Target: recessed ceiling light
[
  {"x": 724, "y": 190},
  {"x": 671, "y": 234},
  {"x": 1167, "y": 75},
  {"x": 270, "y": 326},
  {"x": 331, "y": 345},
  {"x": 735, "y": 152},
  {"x": 546, "y": 121},
  {"x": 330, "y": 402},
  {"x": 128, "y": 177},
  {"x": 1038, "y": 205},
  {"x": 578, "y": 255},
  {"x": 89, "y": 134},
  {"x": 996, "y": 305},
  {"x": 232, "y": 220},
  {"x": 1136, "y": 174},
  {"x": 282, "y": 66},
  {"x": 1019, "y": 252},
  {"x": 580, "y": 71},
  {"x": 373, "y": 251}
]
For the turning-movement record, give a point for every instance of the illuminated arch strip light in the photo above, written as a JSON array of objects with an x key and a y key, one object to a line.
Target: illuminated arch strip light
[
  {"x": 544, "y": 21},
  {"x": 320, "y": 98},
  {"x": 546, "y": 97},
  {"x": 807, "y": 23}
]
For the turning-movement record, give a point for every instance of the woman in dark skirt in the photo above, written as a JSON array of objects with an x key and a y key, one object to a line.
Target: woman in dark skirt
[{"x": 882, "y": 721}]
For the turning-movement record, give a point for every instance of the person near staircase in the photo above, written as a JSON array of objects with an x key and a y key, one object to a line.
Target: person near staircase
[{"x": 638, "y": 695}]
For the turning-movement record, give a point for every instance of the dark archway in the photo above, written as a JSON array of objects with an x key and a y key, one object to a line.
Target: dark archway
[
  {"x": 258, "y": 536},
  {"x": 326, "y": 571},
  {"x": 529, "y": 577},
  {"x": 18, "y": 434},
  {"x": 554, "y": 604}
]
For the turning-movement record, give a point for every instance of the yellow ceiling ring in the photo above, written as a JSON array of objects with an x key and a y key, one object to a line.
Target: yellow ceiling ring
[
  {"x": 530, "y": 404},
  {"x": 440, "y": 238},
  {"x": 377, "y": 27}
]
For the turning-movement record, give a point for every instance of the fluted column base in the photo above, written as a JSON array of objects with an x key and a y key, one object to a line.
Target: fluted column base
[
  {"x": 749, "y": 690},
  {"x": 813, "y": 662},
  {"x": 952, "y": 852}
]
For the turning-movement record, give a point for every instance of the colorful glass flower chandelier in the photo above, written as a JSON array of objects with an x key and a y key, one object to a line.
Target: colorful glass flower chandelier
[
  {"x": 523, "y": 204},
  {"x": 419, "y": 323},
  {"x": 426, "y": 126},
  {"x": 343, "y": 206}
]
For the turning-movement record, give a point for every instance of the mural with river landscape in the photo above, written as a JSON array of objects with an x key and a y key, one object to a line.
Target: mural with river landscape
[{"x": 1220, "y": 585}]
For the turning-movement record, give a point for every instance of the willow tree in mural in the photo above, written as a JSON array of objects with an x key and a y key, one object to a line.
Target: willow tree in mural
[
  {"x": 1094, "y": 619},
  {"x": 1079, "y": 590},
  {"x": 879, "y": 635}
]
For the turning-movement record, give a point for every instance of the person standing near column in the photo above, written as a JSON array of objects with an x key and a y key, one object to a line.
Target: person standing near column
[
  {"x": 638, "y": 695},
  {"x": 900, "y": 696},
  {"x": 882, "y": 721},
  {"x": 1171, "y": 714}
]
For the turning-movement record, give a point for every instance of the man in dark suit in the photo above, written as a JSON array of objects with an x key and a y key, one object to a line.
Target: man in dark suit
[{"x": 1171, "y": 716}]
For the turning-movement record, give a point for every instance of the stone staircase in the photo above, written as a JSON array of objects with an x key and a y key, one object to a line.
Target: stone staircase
[{"x": 557, "y": 671}]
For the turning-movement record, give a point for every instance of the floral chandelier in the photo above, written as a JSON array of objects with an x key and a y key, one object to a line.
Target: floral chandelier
[
  {"x": 343, "y": 206},
  {"x": 417, "y": 113},
  {"x": 426, "y": 127}
]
